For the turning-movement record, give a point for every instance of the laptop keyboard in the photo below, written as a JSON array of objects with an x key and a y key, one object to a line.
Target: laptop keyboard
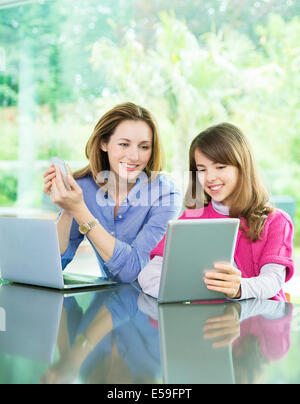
[
  {"x": 72, "y": 280},
  {"x": 75, "y": 282}
]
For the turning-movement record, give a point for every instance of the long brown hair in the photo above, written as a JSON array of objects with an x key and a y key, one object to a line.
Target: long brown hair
[
  {"x": 226, "y": 144},
  {"x": 104, "y": 129}
]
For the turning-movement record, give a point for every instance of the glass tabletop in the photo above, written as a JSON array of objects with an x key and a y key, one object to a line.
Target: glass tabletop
[{"x": 121, "y": 335}]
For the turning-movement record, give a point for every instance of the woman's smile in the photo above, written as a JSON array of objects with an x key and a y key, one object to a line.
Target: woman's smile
[
  {"x": 129, "y": 166},
  {"x": 129, "y": 149}
]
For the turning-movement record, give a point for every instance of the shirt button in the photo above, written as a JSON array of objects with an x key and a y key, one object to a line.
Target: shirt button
[
  {"x": 120, "y": 216},
  {"x": 112, "y": 233}
]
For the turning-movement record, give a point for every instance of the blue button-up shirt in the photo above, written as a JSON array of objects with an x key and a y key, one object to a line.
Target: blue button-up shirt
[{"x": 139, "y": 225}]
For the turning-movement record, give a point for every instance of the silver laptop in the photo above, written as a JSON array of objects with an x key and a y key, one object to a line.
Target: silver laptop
[
  {"x": 29, "y": 253},
  {"x": 187, "y": 356},
  {"x": 193, "y": 246}
]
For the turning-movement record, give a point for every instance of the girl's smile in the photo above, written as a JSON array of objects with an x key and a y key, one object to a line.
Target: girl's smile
[
  {"x": 218, "y": 180},
  {"x": 215, "y": 188}
]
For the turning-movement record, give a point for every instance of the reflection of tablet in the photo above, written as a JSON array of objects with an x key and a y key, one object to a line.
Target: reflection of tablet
[
  {"x": 193, "y": 246},
  {"x": 187, "y": 357}
]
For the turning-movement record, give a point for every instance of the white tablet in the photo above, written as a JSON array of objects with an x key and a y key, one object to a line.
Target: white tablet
[{"x": 193, "y": 246}]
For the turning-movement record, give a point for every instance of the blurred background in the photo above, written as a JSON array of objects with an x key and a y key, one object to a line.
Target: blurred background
[{"x": 63, "y": 63}]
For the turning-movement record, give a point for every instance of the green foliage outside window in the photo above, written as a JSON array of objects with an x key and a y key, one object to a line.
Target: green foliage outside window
[{"x": 192, "y": 64}]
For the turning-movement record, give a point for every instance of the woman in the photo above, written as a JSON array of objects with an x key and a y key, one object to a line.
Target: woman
[
  {"x": 120, "y": 200},
  {"x": 224, "y": 179}
]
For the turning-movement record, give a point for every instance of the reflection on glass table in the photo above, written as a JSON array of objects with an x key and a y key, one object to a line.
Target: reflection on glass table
[
  {"x": 121, "y": 335},
  {"x": 109, "y": 341},
  {"x": 223, "y": 343}
]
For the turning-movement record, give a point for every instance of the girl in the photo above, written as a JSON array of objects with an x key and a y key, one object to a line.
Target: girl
[
  {"x": 119, "y": 200},
  {"x": 223, "y": 170}
]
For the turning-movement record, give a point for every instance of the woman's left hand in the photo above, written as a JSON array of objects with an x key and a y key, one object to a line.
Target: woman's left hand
[
  {"x": 224, "y": 278},
  {"x": 69, "y": 200}
]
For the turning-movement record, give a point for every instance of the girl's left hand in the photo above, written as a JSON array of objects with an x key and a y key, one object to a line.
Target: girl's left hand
[
  {"x": 70, "y": 201},
  {"x": 225, "y": 279}
]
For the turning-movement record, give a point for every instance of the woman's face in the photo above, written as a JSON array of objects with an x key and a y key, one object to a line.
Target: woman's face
[
  {"x": 129, "y": 149},
  {"x": 218, "y": 180}
]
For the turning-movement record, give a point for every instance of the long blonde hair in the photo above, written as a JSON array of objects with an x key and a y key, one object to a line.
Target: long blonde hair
[
  {"x": 104, "y": 129},
  {"x": 226, "y": 144}
]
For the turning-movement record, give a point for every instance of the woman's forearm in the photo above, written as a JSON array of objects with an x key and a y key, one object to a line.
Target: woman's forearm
[
  {"x": 63, "y": 229},
  {"x": 101, "y": 239}
]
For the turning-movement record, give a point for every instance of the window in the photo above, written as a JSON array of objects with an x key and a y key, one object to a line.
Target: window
[{"x": 63, "y": 63}]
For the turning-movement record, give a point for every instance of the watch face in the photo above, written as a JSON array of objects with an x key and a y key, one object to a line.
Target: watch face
[{"x": 83, "y": 229}]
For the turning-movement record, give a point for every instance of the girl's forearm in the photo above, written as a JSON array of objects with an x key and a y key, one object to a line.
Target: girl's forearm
[{"x": 269, "y": 282}]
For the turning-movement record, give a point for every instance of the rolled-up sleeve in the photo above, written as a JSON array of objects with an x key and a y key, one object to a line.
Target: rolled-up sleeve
[{"x": 128, "y": 259}]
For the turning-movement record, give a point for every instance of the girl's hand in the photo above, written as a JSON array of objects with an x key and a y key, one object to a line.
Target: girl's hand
[
  {"x": 71, "y": 201},
  {"x": 225, "y": 279},
  {"x": 223, "y": 330}
]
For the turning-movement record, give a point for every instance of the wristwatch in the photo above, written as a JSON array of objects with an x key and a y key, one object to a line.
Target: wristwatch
[{"x": 84, "y": 228}]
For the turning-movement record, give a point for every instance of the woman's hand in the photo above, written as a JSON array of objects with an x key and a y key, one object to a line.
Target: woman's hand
[
  {"x": 69, "y": 200},
  {"x": 49, "y": 175},
  {"x": 225, "y": 279}
]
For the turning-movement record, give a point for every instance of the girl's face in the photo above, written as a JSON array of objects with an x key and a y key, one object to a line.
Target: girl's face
[
  {"x": 218, "y": 180},
  {"x": 129, "y": 149}
]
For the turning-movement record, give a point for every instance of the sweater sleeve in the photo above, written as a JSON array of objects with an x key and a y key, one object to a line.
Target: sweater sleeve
[
  {"x": 149, "y": 277},
  {"x": 266, "y": 285},
  {"x": 278, "y": 248}
]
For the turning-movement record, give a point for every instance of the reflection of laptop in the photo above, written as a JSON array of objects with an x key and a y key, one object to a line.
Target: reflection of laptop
[
  {"x": 187, "y": 357},
  {"x": 32, "y": 321},
  {"x": 29, "y": 253},
  {"x": 193, "y": 246}
]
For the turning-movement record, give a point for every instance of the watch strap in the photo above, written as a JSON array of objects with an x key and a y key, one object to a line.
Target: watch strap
[{"x": 84, "y": 228}]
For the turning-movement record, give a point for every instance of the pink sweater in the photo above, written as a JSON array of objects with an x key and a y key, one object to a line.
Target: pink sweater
[{"x": 275, "y": 246}]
